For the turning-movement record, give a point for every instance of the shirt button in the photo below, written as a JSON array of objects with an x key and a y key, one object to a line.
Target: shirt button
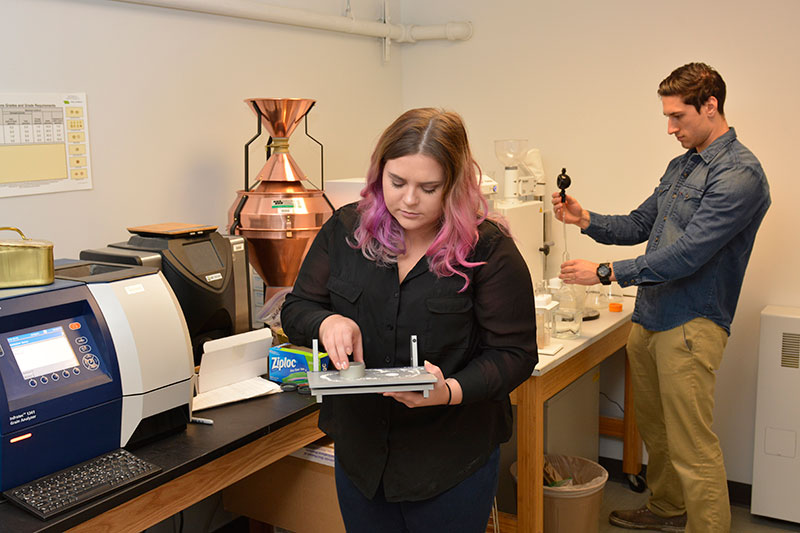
[
  {"x": 383, "y": 422},
  {"x": 674, "y": 195},
  {"x": 390, "y": 327},
  {"x": 396, "y": 294},
  {"x": 388, "y": 360}
]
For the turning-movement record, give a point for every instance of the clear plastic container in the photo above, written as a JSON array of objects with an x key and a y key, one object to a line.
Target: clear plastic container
[{"x": 545, "y": 313}]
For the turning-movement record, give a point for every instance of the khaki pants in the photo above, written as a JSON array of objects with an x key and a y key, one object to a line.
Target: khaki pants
[{"x": 673, "y": 376}]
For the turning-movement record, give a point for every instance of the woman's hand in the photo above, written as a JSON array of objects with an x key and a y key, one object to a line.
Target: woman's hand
[
  {"x": 438, "y": 396},
  {"x": 341, "y": 338}
]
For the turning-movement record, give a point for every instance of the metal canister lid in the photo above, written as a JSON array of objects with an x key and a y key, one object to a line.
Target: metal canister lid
[{"x": 25, "y": 242}]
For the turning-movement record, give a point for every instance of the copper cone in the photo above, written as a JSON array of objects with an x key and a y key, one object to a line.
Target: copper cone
[
  {"x": 280, "y": 217},
  {"x": 281, "y": 115}
]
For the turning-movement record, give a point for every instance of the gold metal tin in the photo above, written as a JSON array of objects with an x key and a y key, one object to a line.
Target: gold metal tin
[{"x": 26, "y": 262}]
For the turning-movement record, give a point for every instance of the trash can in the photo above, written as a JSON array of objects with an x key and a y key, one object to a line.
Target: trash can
[{"x": 576, "y": 507}]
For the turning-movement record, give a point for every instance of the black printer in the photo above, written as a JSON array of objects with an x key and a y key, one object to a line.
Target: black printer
[{"x": 208, "y": 273}]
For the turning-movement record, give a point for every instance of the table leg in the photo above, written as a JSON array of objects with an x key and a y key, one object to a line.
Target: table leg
[
  {"x": 530, "y": 456},
  {"x": 631, "y": 440}
]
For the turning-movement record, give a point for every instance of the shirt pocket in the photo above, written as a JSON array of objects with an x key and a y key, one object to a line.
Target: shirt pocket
[
  {"x": 662, "y": 192},
  {"x": 450, "y": 322},
  {"x": 344, "y": 297},
  {"x": 686, "y": 203}
]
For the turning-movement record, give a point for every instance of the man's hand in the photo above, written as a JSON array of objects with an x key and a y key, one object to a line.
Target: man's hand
[
  {"x": 580, "y": 272},
  {"x": 571, "y": 212}
]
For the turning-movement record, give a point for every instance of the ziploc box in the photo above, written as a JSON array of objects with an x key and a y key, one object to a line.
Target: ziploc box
[{"x": 289, "y": 363}]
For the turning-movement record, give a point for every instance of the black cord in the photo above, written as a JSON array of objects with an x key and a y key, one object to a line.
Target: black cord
[{"x": 612, "y": 401}]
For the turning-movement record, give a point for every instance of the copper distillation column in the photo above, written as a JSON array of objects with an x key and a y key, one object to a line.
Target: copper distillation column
[{"x": 278, "y": 217}]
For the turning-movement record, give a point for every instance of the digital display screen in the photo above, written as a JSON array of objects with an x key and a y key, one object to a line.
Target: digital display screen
[
  {"x": 42, "y": 352},
  {"x": 202, "y": 256}
]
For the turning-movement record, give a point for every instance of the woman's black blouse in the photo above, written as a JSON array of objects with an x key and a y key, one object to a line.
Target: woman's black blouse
[{"x": 484, "y": 337}]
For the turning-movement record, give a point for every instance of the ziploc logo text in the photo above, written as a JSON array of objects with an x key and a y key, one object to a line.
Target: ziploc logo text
[
  {"x": 290, "y": 363},
  {"x": 282, "y": 363}
]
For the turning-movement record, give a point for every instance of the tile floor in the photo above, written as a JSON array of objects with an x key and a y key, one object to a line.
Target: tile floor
[{"x": 617, "y": 495}]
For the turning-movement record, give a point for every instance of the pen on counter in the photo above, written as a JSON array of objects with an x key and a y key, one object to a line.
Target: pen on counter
[{"x": 198, "y": 420}]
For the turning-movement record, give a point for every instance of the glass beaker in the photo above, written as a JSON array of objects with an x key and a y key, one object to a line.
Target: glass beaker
[
  {"x": 597, "y": 297},
  {"x": 569, "y": 314}
]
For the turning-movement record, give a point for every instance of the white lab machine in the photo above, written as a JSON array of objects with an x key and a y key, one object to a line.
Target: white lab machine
[
  {"x": 521, "y": 204},
  {"x": 776, "y": 458},
  {"x": 151, "y": 340},
  {"x": 344, "y": 191},
  {"x": 98, "y": 359}
]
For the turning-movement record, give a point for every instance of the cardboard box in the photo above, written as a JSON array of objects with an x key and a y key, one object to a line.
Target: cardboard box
[
  {"x": 297, "y": 493},
  {"x": 290, "y": 363}
]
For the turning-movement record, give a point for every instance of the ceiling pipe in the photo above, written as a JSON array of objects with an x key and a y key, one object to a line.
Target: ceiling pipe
[{"x": 255, "y": 10}]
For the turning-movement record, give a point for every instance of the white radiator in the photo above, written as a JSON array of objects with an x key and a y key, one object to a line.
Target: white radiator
[{"x": 776, "y": 459}]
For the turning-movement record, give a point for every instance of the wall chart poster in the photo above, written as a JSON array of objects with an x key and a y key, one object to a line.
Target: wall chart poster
[{"x": 44, "y": 143}]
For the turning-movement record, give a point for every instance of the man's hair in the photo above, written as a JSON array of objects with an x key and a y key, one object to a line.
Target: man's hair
[{"x": 695, "y": 83}]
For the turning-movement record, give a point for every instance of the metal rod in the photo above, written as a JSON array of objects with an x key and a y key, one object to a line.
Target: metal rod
[
  {"x": 247, "y": 149},
  {"x": 321, "y": 150}
]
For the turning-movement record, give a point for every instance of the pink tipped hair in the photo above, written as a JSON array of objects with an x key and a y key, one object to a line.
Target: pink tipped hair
[{"x": 440, "y": 135}]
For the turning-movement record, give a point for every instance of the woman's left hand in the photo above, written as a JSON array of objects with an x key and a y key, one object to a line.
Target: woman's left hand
[{"x": 438, "y": 396}]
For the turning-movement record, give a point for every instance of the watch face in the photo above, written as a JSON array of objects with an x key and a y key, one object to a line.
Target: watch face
[{"x": 603, "y": 271}]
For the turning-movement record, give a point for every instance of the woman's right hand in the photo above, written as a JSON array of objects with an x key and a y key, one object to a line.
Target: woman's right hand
[{"x": 341, "y": 337}]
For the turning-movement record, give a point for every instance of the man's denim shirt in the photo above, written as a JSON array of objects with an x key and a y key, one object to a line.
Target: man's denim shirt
[{"x": 700, "y": 224}]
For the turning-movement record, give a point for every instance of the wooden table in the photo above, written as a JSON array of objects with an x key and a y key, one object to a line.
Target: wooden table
[
  {"x": 196, "y": 463},
  {"x": 599, "y": 340}
]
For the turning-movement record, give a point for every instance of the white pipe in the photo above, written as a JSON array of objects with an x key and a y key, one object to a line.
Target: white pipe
[{"x": 254, "y": 10}]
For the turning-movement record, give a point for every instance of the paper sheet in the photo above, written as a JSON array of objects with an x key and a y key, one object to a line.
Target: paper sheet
[
  {"x": 243, "y": 390},
  {"x": 44, "y": 143}
]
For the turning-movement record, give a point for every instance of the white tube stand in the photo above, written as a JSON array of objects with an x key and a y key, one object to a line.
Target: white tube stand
[{"x": 315, "y": 348}]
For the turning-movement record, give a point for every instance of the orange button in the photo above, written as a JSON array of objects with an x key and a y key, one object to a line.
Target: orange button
[{"x": 75, "y": 325}]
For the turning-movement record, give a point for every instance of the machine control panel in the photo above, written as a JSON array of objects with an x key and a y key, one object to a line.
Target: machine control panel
[
  {"x": 60, "y": 358},
  {"x": 56, "y": 357}
]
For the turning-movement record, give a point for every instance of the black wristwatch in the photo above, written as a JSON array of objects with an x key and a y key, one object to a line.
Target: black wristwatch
[{"x": 604, "y": 273}]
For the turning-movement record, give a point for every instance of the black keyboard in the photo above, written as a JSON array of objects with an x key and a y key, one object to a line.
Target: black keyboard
[{"x": 59, "y": 492}]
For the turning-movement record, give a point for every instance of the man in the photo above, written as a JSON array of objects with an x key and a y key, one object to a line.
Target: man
[{"x": 700, "y": 224}]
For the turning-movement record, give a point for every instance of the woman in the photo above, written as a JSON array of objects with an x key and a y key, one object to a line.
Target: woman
[{"x": 417, "y": 256}]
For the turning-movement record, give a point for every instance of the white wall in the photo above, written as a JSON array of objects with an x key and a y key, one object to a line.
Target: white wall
[
  {"x": 578, "y": 79},
  {"x": 167, "y": 121}
]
